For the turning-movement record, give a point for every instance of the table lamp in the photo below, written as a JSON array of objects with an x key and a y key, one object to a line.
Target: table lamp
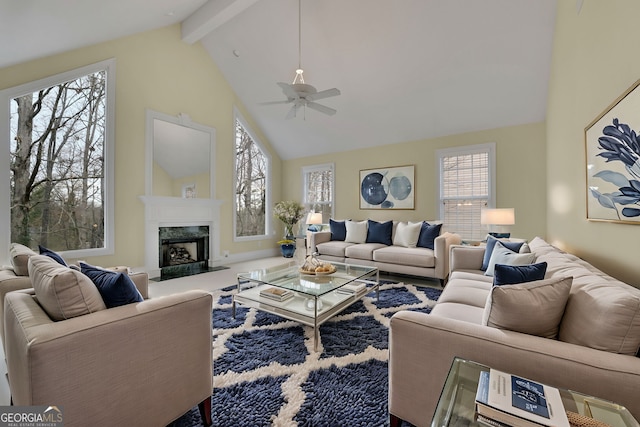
[
  {"x": 314, "y": 221},
  {"x": 497, "y": 220}
]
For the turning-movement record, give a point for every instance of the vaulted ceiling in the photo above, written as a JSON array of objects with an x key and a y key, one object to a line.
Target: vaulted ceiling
[{"x": 407, "y": 70}]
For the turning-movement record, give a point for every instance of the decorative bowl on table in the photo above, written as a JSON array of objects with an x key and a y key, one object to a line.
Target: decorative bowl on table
[
  {"x": 318, "y": 272},
  {"x": 329, "y": 270},
  {"x": 313, "y": 266}
]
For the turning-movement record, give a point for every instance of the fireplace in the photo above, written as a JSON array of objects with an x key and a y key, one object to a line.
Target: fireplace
[
  {"x": 174, "y": 212},
  {"x": 183, "y": 251}
]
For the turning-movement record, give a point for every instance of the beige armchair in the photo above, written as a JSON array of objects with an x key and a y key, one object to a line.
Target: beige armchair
[
  {"x": 142, "y": 364},
  {"x": 17, "y": 277}
]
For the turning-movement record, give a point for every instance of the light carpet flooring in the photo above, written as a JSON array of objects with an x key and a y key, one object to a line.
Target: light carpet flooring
[{"x": 210, "y": 282}]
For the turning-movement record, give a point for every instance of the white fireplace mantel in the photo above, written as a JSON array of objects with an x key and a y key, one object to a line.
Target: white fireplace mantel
[{"x": 178, "y": 212}]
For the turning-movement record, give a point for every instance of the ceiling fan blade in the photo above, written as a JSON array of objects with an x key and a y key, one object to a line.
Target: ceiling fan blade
[
  {"x": 321, "y": 108},
  {"x": 289, "y": 91},
  {"x": 292, "y": 112},
  {"x": 276, "y": 102},
  {"x": 323, "y": 94}
]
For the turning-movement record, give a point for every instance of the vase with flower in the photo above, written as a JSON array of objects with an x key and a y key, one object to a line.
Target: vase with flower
[{"x": 289, "y": 212}]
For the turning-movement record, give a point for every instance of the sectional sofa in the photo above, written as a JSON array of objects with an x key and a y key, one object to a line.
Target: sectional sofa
[
  {"x": 577, "y": 329},
  {"x": 419, "y": 249}
]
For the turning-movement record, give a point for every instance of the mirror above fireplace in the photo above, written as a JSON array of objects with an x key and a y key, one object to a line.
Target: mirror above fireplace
[{"x": 180, "y": 157}]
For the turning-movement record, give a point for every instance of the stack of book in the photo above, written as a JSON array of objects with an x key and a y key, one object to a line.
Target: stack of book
[
  {"x": 351, "y": 288},
  {"x": 276, "y": 294},
  {"x": 507, "y": 400}
]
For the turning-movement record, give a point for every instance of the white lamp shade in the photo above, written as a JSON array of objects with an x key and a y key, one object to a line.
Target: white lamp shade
[
  {"x": 314, "y": 218},
  {"x": 505, "y": 216}
]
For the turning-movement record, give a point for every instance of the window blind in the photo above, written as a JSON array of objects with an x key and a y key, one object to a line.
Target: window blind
[{"x": 464, "y": 192}]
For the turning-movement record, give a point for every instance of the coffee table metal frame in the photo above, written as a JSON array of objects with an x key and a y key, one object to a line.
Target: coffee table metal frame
[{"x": 316, "y": 297}]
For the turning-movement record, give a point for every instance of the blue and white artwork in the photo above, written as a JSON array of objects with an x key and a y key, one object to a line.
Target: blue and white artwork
[
  {"x": 387, "y": 188},
  {"x": 613, "y": 162}
]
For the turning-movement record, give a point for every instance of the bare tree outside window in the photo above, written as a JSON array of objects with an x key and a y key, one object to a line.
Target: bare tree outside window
[
  {"x": 318, "y": 190},
  {"x": 57, "y": 165},
  {"x": 251, "y": 185}
]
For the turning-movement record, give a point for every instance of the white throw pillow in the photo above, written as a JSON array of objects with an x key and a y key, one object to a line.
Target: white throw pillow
[
  {"x": 407, "y": 234},
  {"x": 525, "y": 249},
  {"x": 356, "y": 231},
  {"x": 502, "y": 255}
]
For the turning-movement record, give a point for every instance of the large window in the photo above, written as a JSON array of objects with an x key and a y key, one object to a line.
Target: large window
[
  {"x": 251, "y": 186},
  {"x": 59, "y": 153},
  {"x": 318, "y": 189},
  {"x": 467, "y": 185}
]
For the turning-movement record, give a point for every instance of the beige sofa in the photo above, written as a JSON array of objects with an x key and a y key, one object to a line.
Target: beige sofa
[
  {"x": 144, "y": 363},
  {"x": 416, "y": 261},
  {"x": 595, "y": 350}
]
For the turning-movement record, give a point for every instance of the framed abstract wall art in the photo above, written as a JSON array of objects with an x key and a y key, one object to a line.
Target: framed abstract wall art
[
  {"x": 387, "y": 188},
  {"x": 612, "y": 144}
]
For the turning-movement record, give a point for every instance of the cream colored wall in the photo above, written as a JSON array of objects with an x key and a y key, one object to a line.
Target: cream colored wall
[
  {"x": 594, "y": 61},
  {"x": 521, "y": 173},
  {"x": 156, "y": 70}
]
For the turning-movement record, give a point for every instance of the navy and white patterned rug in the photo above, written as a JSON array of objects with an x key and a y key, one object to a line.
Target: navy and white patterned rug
[{"x": 266, "y": 372}]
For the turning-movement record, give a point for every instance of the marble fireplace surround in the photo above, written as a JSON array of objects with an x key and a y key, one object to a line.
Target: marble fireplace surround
[{"x": 178, "y": 212}]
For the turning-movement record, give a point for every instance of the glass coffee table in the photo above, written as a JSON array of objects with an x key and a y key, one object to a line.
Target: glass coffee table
[
  {"x": 456, "y": 406},
  {"x": 316, "y": 298}
]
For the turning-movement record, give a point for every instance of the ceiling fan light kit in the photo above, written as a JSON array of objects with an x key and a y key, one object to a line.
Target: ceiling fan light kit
[{"x": 300, "y": 93}]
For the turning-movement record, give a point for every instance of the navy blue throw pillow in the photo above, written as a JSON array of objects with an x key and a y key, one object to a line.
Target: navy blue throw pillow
[
  {"x": 379, "y": 232},
  {"x": 428, "y": 234},
  {"x": 514, "y": 274},
  {"x": 491, "y": 243},
  {"x": 338, "y": 230},
  {"x": 52, "y": 254},
  {"x": 115, "y": 288}
]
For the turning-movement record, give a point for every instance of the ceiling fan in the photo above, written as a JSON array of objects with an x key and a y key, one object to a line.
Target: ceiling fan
[{"x": 301, "y": 94}]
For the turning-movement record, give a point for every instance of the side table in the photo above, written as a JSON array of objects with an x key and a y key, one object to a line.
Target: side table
[{"x": 456, "y": 406}]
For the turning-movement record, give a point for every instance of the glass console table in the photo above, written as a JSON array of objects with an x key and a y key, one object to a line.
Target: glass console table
[{"x": 456, "y": 406}]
